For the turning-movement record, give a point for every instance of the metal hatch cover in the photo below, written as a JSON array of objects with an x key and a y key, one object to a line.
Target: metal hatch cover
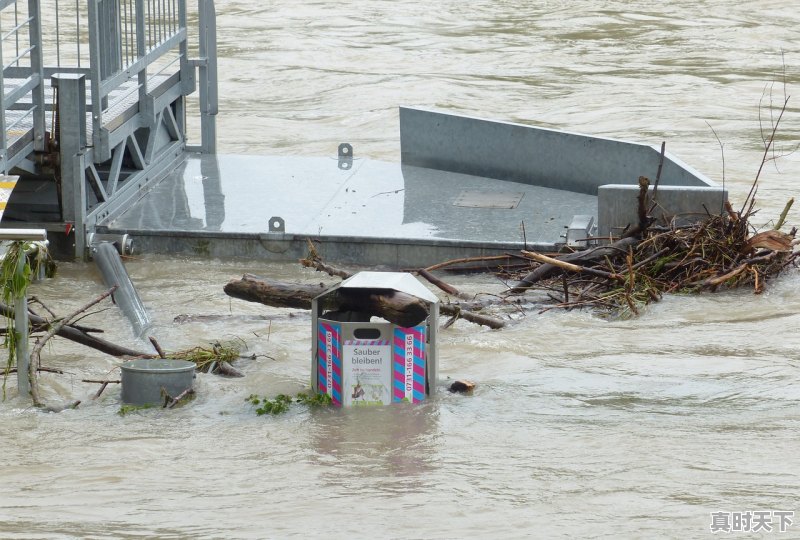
[{"x": 472, "y": 198}]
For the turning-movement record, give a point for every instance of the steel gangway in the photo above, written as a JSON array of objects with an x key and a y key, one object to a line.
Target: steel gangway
[{"x": 93, "y": 104}]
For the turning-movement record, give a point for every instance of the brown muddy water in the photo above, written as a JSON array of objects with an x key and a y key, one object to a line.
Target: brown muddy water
[{"x": 580, "y": 427}]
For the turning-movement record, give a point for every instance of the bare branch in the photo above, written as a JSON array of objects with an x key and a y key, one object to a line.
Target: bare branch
[
  {"x": 35, "y": 359},
  {"x": 721, "y": 150}
]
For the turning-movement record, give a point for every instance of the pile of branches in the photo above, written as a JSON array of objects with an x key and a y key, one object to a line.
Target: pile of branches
[{"x": 718, "y": 252}]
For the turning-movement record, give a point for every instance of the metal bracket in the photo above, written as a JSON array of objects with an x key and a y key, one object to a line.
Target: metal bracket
[
  {"x": 580, "y": 228},
  {"x": 123, "y": 242},
  {"x": 277, "y": 224},
  {"x": 345, "y": 156}
]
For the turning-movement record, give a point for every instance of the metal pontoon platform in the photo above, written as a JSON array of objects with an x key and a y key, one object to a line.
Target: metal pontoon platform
[
  {"x": 95, "y": 133},
  {"x": 464, "y": 187},
  {"x": 372, "y": 213}
]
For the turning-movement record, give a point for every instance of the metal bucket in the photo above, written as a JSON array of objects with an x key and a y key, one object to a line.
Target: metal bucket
[{"x": 143, "y": 379}]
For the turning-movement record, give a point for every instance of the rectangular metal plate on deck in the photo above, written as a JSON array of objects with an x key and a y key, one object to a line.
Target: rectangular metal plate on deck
[{"x": 471, "y": 198}]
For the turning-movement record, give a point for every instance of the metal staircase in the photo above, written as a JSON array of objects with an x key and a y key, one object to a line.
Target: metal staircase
[{"x": 88, "y": 128}]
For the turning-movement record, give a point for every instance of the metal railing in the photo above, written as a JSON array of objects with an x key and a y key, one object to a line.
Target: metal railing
[
  {"x": 131, "y": 53},
  {"x": 23, "y": 109},
  {"x": 134, "y": 46}
]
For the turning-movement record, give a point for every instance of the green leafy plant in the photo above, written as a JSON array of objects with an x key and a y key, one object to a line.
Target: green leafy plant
[
  {"x": 314, "y": 400},
  {"x": 205, "y": 357},
  {"x": 280, "y": 404},
  {"x": 270, "y": 406},
  {"x": 15, "y": 285},
  {"x": 127, "y": 409}
]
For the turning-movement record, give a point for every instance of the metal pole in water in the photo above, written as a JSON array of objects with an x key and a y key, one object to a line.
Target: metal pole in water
[
  {"x": 21, "y": 308},
  {"x": 108, "y": 261},
  {"x": 21, "y": 329}
]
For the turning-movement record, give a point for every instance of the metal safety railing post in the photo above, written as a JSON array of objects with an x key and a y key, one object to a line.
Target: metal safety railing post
[
  {"x": 21, "y": 308},
  {"x": 37, "y": 71},
  {"x": 21, "y": 330},
  {"x": 208, "y": 76},
  {"x": 72, "y": 138}
]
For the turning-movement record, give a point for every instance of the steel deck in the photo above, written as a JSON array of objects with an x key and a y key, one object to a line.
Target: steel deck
[{"x": 372, "y": 213}]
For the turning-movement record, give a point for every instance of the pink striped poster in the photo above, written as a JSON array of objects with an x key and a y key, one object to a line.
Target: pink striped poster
[
  {"x": 408, "y": 364},
  {"x": 329, "y": 367}
]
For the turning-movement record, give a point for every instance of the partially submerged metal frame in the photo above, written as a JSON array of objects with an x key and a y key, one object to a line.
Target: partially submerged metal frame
[{"x": 118, "y": 123}]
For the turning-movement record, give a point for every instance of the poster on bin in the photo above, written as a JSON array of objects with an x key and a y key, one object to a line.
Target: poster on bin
[
  {"x": 366, "y": 373},
  {"x": 408, "y": 362}
]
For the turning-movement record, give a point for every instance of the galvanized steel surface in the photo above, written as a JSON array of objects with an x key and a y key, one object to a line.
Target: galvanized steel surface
[
  {"x": 145, "y": 381},
  {"x": 531, "y": 155},
  {"x": 481, "y": 167},
  {"x": 108, "y": 261},
  {"x": 228, "y": 202}
]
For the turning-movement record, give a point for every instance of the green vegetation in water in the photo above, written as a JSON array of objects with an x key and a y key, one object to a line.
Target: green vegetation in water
[
  {"x": 14, "y": 286},
  {"x": 126, "y": 409},
  {"x": 17, "y": 271},
  {"x": 314, "y": 400},
  {"x": 280, "y": 404},
  {"x": 205, "y": 357},
  {"x": 270, "y": 406}
]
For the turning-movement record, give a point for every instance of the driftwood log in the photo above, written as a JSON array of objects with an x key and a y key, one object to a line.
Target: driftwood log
[
  {"x": 581, "y": 258},
  {"x": 73, "y": 333},
  {"x": 272, "y": 292},
  {"x": 459, "y": 310},
  {"x": 396, "y": 307}
]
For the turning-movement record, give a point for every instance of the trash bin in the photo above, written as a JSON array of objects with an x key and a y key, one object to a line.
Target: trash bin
[
  {"x": 144, "y": 378},
  {"x": 362, "y": 360}
]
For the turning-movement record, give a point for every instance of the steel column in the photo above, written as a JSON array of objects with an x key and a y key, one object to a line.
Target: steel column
[
  {"x": 21, "y": 331},
  {"x": 208, "y": 76},
  {"x": 37, "y": 70},
  {"x": 72, "y": 145}
]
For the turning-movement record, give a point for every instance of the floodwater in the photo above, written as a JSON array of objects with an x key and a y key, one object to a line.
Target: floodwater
[{"x": 580, "y": 427}]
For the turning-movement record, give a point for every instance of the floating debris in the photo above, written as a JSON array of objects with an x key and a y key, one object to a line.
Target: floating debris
[{"x": 462, "y": 386}]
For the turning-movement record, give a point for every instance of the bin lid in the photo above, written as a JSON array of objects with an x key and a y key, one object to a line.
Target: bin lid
[{"x": 398, "y": 281}]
